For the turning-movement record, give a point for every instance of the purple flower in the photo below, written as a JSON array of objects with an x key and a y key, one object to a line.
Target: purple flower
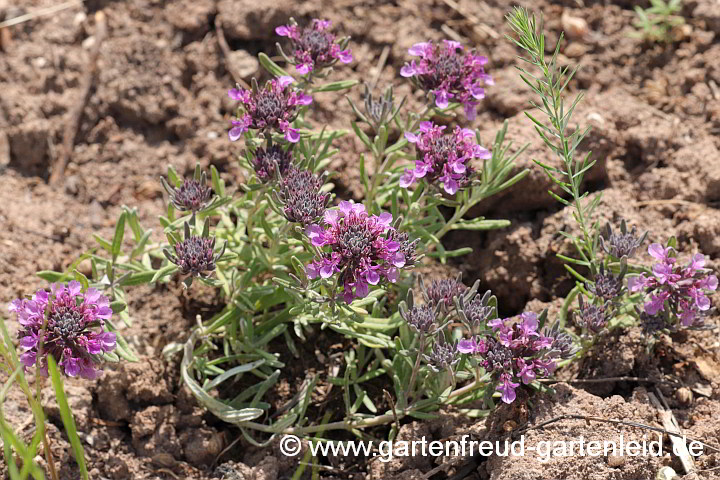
[
  {"x": 448, "y": 72},
  {"x": 358, "y": 248},
  {"x": 680, "y": 290},
  {"x": 442, "y": 158},
  {"x": 73, "y": 334},
  {"x": 271, "y": 108},
  {"x": 507, "y": 388},
  {"x": 314, "y": 47}
]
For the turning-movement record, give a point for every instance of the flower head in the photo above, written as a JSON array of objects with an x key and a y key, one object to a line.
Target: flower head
[
  {"x": 270, "y": 161},
  {"x": 443, "y": 354},
  {"x": 443, "y": 157},
  {"x": 421, "y": 318},
  {"x": 673, "y": 288},
  {"x": 478, "y": 311},
  {"x": 562, "y": 344},
  {"x": 592, "y": 317},
  {"x": 515, "y": 353},
  {"x": 358, "y": 249},
  {"x": 314, "y": 47},
  {"x": 301, "y": 195},
  {"x": 73, "y": 334},
  {"x": 449, "y": 72},
  {"x": 607, "y": 286},
  {"x": 195, "y": 255},
  {"x": 623, "y": 243},
  {"x": 271, "y": 108},
  {"x": 192, "y": 196},
  {"x": 444, "y": 291}
]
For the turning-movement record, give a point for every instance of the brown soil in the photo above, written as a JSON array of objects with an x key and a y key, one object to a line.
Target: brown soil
[{"x": 160, "y": 99}]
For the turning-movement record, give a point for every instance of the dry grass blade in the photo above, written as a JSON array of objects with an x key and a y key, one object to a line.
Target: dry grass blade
[{"x": 40, "y": 13}]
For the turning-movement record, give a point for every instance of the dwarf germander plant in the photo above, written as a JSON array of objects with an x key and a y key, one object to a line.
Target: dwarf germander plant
[
  {"x": 290, "y": 260},
  {"x": 62, "y": 331}
]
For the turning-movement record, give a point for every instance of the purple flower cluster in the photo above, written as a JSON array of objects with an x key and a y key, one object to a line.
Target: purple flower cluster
[
  {"x": 73, "y": 333},
  {"x": 442, "y": 157},
  {"x": 449, "y": 72},
  {"x": 272, "y": 107},
  {"x": 314, "y": 47},
  {"x": 517, "y": 353},
  {"x": 676, "y": 289},
  {"x": 360, "y": 250}
]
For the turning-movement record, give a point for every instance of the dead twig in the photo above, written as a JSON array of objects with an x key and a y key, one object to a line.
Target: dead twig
[
  {"x": 40, "y": 13},
  {"x": 610, "y": 379},
  {"x": 671, "y": 424},
  {"x": 227, "y": 54},
  {"x": 666, "y": 202},
  {"x": 472, "y": 18},
  {"x": 75, "y": 115}
]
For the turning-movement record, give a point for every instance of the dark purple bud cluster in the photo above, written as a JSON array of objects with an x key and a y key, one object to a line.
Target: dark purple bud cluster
[
  {"x": 444, "y": 355},
  {"x": 478, "y": 312},
  {"x": 607, "y": 286},
  {"x": 562, "y": 344},
  {"x": 421, "y": 318},
  {"x": 653, "y": 324},
  {"x": 195, "y": 255},
  {"x": 270, "y": 161},
  {"x": 301, "y": 196},
  {"x": 192, "y": 196},
  {"x": 444, "y": 292},
  {"x": 622, "y": 244},
  {"x": 593, "y": 318},
  {"x": 680, "y": 291}
]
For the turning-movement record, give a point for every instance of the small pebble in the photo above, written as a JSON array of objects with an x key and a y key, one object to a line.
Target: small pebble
[{"x": 616, "y": 461}]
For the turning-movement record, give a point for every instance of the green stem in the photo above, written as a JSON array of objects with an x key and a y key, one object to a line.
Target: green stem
[{"x": 416, "y": 368}]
